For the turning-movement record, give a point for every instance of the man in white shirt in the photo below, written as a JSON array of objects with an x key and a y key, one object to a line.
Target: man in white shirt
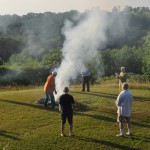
[{"x": 124, "y": 104}]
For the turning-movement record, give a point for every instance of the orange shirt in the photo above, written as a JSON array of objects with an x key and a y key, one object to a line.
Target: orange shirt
[{"x": 50, "y": 84}]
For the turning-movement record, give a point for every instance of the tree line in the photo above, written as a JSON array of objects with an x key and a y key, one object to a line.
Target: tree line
[{"x": 29, "y": 44}]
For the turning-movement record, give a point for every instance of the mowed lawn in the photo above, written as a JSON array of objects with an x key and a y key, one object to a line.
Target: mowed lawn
[{"x": 25, "y": 125}]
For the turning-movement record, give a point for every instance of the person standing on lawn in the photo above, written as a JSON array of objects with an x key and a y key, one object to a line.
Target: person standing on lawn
[
  {"x": 122, "y": 77},
  {"x": 124, "y": 105},
  {"x": 85, "y": 72},
  {"x": 66, "y": 103}
]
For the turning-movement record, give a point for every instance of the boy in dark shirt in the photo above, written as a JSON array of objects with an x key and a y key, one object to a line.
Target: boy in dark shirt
[{"x": 66, "y": 103}]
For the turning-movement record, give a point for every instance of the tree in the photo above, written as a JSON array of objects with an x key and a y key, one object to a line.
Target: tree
[
  {"x": 1, "y": 61},
  {"x": 146, "y": 58},
  {"x": 127, "y": 9},
  {"x": 130, "y": 58},
  {"x": 49, "y": 58},
  {"x": 115, "y": 10}
]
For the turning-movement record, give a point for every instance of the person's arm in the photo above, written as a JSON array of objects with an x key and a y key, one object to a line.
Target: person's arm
[
  {"x": 73, "y": 103},
  {"x": 118, "y": 101},
  {"x": 55, "y": 87},
  {"x": 119, "y": 77},
  {"x": 55, "y": 91},
  {"x": 60, "y": 104},
  {"x": 73, "y": 106}
]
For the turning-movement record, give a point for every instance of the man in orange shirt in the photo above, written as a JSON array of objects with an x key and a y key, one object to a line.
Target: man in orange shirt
[{"x": 49, "y": 88}]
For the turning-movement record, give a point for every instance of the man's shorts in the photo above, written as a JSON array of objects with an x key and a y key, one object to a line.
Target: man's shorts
[
  {"x": 65, "y": 116},
  {"x": 122, "y": 119}
]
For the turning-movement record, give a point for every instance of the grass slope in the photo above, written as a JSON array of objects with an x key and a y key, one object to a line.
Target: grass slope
[{"x": 25, "y": 125}]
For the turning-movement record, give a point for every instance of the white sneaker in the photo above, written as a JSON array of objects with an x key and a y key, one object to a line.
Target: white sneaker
[
  {"x": 128, "y": 133},
  {"x": 62, "y": 135},
  {"x": 120, "y": 135}
]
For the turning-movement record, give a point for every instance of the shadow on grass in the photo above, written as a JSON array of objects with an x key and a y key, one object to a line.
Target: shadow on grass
[
  {"x": 7, "y": 135},
  {"x": 140, "y": 124},
  {"x": 98, "y": 94},
  {"x": 39, "y": 106},
  {"x": 112, "y": 96},
  {"x": 141, "y": 99},
  {"x": 144, "y": 139},
  {"x": 21, "y": 103},
  {"x": 99, "y": 117},
  {"x": 108, "y": 119},
  {"x": 106, "y": 143},
  {"x": 106, "y": 93},
  {"x": 81, "y": 107}
]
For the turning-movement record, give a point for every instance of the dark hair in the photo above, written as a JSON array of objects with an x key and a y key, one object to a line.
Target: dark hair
[
  {"x": 66, "y": 89},
  {"x": 54, "y": 73},
  {"x": 125, "y": 86}
]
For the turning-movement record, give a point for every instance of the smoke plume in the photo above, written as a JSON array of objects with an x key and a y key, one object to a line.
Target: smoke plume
[{"x": 81, "y": 45}]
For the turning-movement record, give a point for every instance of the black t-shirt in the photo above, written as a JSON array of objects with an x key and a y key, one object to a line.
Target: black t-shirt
[{"x": 66, "y": 102}]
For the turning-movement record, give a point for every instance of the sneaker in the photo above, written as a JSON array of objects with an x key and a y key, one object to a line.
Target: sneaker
[
  {"x": 62, "y": 135},
  {"x": 128, "y": 133},
  {"x": 120, "y": 135}
]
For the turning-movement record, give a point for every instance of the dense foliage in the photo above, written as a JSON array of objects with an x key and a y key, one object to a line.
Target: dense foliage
[{"x": 29, "y": 44}]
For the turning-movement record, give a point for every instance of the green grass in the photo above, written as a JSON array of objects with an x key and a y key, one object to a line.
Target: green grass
[{"x": 25, "y": 125}]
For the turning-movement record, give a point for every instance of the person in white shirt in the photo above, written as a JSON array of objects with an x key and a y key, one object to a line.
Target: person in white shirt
[{"x": 124, "y": 105}]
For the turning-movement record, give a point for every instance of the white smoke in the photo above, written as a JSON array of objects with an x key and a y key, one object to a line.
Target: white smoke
[{"x": 81, "y": 45}]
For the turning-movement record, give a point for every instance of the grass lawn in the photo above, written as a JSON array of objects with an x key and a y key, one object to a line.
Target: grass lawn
[{"x": 25, "y": 125}]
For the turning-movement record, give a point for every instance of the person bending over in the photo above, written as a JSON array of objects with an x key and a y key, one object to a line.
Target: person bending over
[{"x": 49, "y": 88}]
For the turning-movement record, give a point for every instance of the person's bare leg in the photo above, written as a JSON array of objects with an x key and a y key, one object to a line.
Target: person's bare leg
[
  {"x": 62, "y": 129},
  {"x": 128, "y": 126},
  {"x": 121, "y": 128},
  {"x": 71, "y": 128}
]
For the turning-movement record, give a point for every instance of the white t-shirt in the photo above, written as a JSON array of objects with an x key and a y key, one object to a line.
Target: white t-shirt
[{"x": 124, "y": 103}]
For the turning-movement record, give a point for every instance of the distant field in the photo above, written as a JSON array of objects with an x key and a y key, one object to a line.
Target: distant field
[{"x": 25, "y": 125}]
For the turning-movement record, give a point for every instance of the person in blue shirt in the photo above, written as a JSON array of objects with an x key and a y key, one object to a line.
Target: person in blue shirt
[{"x": 54, "y": 67}]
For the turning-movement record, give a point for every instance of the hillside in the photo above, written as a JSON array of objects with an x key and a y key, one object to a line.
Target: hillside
[{"x": 44, "y": 30}]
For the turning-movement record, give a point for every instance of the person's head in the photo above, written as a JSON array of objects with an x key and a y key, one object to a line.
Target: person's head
[
  {"x": 66, "y": 89},
  {"x": 122, "y": 69},
  {"x": 54, "y": 73},
  {"x": 125, "y": 86}
]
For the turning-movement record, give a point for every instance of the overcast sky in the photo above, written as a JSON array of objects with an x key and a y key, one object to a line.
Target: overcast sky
[{"x": 21, "y": 7}]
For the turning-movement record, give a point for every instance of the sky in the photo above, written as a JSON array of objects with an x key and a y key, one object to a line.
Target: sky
[{"x": 22, "y": 7}]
